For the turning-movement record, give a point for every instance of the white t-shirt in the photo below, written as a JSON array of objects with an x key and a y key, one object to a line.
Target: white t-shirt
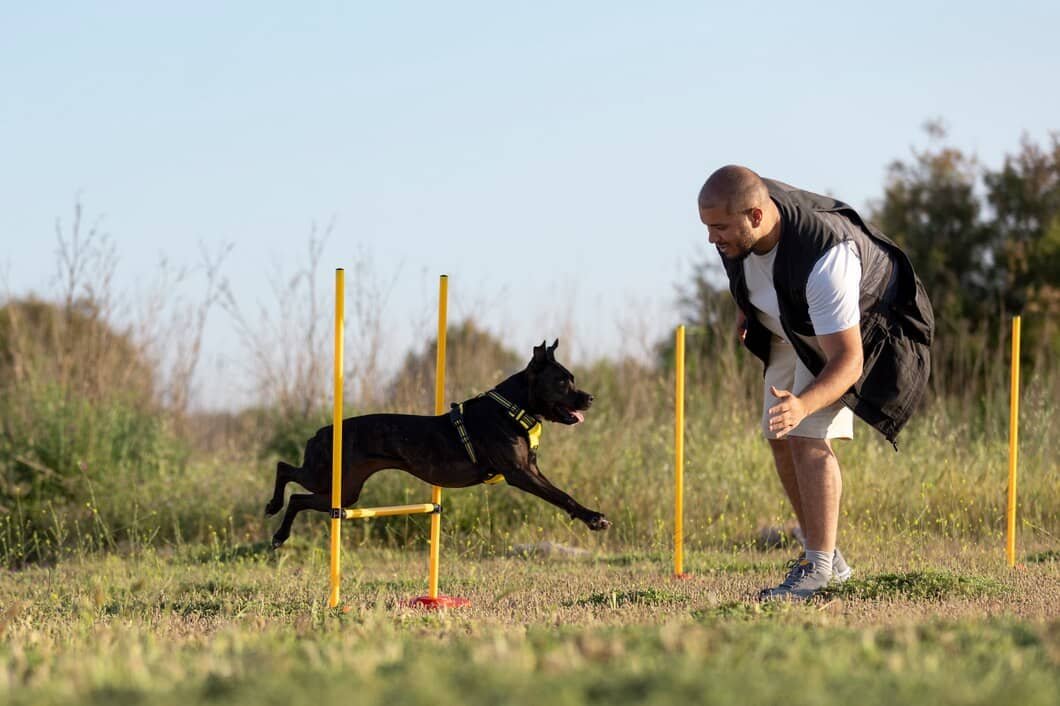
[{"x": 832, "y": 291}]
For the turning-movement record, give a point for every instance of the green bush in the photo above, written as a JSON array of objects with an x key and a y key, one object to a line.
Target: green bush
[{"x": 69, "y": 460}]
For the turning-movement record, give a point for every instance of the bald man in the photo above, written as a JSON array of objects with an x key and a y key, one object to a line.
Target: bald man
[{"x": 836, "y": 313}]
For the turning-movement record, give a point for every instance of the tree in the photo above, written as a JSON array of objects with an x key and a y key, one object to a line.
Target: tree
[
  {"x": 931, "y": 210},
  {"x": 1025, "y": 197}
]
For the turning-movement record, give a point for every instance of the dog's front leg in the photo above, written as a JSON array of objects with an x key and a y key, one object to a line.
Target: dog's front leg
[{"x": 533, "y": 481}]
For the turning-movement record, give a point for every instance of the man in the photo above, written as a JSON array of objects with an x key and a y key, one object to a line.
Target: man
[{"x": 842, "y": 323}]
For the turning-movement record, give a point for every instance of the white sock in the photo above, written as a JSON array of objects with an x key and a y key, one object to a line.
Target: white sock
[{"x": 822, "y": 561}]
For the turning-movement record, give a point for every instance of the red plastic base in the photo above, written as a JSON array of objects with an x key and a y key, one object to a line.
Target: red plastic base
[
  {"x": 438, "y": 603},
  {"x": 683, "y": 577}
]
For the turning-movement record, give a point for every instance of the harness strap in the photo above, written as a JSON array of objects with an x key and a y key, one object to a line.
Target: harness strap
[
  {"x": 456, "y": 415},
  {"x": 527, "y": 421}
]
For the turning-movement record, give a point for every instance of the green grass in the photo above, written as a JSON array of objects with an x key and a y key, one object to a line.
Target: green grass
[
  {"x": 945, "y": 625},
  {"x": 918, "y": 585}
]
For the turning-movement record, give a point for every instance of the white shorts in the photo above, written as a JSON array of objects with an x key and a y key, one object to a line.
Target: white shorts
[{"x": 786, "y": 372}]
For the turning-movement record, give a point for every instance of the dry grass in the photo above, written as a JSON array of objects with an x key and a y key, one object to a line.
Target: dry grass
[{"x": 239, "y": 623}]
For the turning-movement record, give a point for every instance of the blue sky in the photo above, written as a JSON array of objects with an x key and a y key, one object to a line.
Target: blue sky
[{"x": 545, "y": 155}]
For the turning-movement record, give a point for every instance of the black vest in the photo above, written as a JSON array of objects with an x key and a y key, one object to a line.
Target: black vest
[{"x": 897, "y": 322}]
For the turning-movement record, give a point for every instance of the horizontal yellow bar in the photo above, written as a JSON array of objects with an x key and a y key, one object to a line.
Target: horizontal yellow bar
[{"x": 355, "y": 513}]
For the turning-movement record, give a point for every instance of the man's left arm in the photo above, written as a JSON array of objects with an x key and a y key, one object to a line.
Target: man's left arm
[{"x": 843, "y": 353}]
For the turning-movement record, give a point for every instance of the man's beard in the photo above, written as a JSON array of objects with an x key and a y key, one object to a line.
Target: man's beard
[{"x": 738, "y": 258}]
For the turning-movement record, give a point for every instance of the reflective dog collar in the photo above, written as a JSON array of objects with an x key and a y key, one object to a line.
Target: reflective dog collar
[{"x": 527, "y": 421}]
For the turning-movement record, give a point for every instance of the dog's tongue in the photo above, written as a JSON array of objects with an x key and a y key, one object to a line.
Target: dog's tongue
[{"x": 578, "y": 415}]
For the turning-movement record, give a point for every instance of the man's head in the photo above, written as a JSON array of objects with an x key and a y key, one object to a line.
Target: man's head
[{"x": 735, "y": 207}]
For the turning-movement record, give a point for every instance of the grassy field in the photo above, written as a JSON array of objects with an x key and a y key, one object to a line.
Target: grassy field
[
  {"x": 941, "y": 623},
  {"x": 132, "y": 546}
]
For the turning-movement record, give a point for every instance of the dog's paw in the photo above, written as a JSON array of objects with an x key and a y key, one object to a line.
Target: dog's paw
[
  {"x": 598, "y": 522},
  {"x": 272, "y": 508},
  {"x": 277, "y": 541}
]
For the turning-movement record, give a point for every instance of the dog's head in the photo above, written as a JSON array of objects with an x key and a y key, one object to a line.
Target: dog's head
[{"x": 553, "y": 394}]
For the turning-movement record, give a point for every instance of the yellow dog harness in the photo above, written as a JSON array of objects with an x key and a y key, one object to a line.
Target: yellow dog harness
[{"x": 527, "y": 421}]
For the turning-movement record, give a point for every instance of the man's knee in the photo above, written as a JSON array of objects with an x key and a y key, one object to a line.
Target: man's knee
[
  {"x": 808, "y": 451},
  {"x": 779, "y": 446}
]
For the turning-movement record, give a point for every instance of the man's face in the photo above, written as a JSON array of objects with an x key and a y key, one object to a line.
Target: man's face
[{"x": 733, "y": 234}]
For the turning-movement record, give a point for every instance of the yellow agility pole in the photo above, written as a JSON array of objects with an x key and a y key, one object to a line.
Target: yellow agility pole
[
  {"x": 679, "y": 453},
  {"x": 432, "y": 599},
  {"x": 336, "y": 444},
  {"x": 439, "y": 404},
  {"x": 357, "y": 513},
  {"x": 338, "y": 513},
  {"x": 1013, "y": 443}
]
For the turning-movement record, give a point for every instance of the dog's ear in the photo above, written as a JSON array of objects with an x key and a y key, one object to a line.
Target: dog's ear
[
  {"x": 552, "y": 349},
  {"x": 541, "y": 354}
]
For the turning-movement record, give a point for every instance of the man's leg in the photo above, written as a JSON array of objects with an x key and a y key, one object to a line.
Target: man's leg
[
  {"x": 820, "y": 486},
  {"x": 806, "y": 467},
  {"x": 785, "y": 464}
]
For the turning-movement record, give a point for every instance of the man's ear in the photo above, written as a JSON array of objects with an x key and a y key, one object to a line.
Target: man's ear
[{"x": 756, "y": 215}]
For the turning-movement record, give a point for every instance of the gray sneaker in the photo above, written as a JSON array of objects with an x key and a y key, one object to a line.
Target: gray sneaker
[
  {"x": 801, "y": 583},
  {"x": 841, "y": 571}
]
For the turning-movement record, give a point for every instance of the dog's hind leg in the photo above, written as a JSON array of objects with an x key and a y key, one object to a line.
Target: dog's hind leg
[
  {"x": 302, "y": 501},
  {"x": 284, "y": 474},
  {"x": 321, "y": 502}
]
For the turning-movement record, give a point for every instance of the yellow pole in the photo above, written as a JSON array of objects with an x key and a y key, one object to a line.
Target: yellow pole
[
  {"x": 1013, "y": 442},
  {"x": 357, "y": 513},
  {"x": 439, "y": 402},
  {"x": 336, "y": 443},
  {"x": 679, "y": 453}
]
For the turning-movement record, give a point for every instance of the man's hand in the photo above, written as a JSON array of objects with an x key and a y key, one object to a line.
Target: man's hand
[
  {"x": 843, "y": 352},
  {"x": 787, "y": 413}
]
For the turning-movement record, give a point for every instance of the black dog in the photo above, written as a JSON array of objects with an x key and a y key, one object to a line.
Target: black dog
[{"x": 431, "y": 448}]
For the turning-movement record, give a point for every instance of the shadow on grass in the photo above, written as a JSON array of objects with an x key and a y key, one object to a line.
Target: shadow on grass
[
  {"x": 695, "y": 563},
  {"x": 1044, "y": 557},
  {"x": 916, "y": 585},
  {"x": 633, "y": 558}
]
